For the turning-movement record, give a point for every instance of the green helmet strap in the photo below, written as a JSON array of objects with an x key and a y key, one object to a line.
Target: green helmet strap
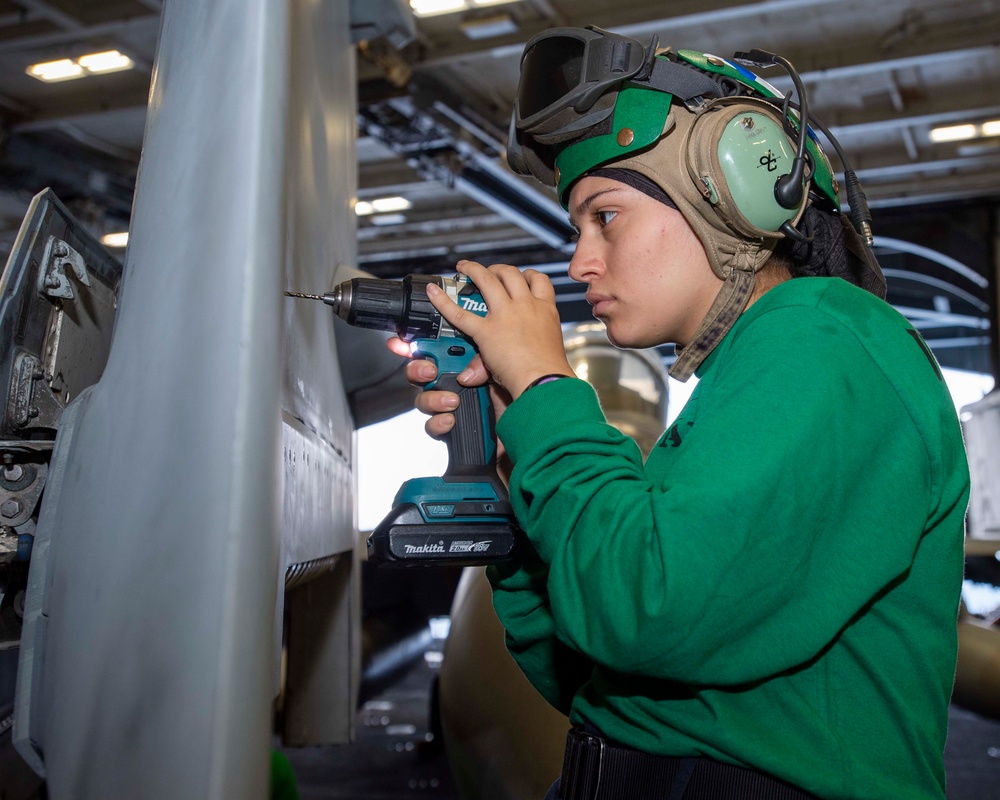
[{"x": 640, "y": 114}]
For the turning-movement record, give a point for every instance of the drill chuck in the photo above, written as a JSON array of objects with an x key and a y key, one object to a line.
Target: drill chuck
[{"x": 399, "y": 307}]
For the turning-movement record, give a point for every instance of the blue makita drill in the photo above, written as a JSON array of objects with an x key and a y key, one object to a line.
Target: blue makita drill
[{"x": 463, "y": 517}]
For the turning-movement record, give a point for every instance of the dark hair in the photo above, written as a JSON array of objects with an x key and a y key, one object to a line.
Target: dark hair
[{"x": 834, "y": 249}]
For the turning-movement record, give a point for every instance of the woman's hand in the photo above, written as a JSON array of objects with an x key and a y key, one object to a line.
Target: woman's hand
[
  {"x": 519, "y": 341},
  {"x": 441, "y": 404}
]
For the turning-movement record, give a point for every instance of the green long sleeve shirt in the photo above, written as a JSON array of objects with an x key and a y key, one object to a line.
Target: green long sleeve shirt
[{"x": 777, "y": 586}]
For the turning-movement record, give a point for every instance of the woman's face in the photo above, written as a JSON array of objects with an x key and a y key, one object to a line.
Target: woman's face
[{"x": 647, "y": 274}]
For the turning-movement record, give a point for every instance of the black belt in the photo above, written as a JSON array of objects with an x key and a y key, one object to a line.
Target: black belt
[{"x": 596, "y": 769}]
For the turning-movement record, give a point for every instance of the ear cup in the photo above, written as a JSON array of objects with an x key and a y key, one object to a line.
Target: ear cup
[{"x": 737, "y": 152}]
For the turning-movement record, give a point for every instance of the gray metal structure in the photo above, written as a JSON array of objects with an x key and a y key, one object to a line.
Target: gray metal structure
[
  {"x": 213, "y": 462},
  {"x": 981, "y": 425}
]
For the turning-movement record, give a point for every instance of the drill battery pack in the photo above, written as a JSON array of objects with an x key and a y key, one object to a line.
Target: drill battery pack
[{"x": 465, "y": 533}]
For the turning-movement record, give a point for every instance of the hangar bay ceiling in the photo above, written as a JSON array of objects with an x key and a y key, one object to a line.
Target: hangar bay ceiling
[{"x": 434, "y": 99}]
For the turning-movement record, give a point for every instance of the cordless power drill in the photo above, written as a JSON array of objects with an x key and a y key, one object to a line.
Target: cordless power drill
[{"x": 463, "y": 517}]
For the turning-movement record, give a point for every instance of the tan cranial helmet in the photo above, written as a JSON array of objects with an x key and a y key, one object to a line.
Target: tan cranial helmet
[
  {"x": 688, "y": 168},
  {"x": 714, "y": 137},
  {"x": 687, "y": 165}
]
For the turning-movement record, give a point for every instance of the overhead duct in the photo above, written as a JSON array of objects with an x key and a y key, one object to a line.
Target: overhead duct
[{"x": 444, "y": 140}]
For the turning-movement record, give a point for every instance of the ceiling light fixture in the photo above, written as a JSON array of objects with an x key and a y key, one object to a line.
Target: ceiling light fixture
[
  {"x": 386, "y": 204},
  {"x": 488, "y": 27},
  {"x": 431, "y": 8},
  {"x": 381, "y": 205},
  {"x": 953, "y": 133},
  {"x": 991, "y": 128},
  {"x": 108, "y": 61},
  {"x": 115, "y": 240},
  {"x": 388, "y": 219},
  {"x": 66, "y": 69},
  {"x": 51, "y": 71}
]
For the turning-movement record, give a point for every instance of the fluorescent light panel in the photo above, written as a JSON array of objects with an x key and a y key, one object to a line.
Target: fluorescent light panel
[
  {"x": 115, "y": 240},
  {"x": 66, "y": 69},
  {"x": 959, "y": 133},
  {"x": 52, "y": 71},
  {"x": 431, "y": 8},
  {"x": 108, "y": 61},
  {"x": 485, "y": 28},
  {"x": 388, "y": 219},
  {"x": 953, "y": 133},
  {"x": 381, "y": 205}
]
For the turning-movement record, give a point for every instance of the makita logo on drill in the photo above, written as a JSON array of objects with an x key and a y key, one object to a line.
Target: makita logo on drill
[
  {"x": 415, "y": 549},
  {"x": 475, "y": 306}
]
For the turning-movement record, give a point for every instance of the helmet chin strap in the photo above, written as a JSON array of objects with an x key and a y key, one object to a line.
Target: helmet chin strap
[{"x": 729, "y": 303}]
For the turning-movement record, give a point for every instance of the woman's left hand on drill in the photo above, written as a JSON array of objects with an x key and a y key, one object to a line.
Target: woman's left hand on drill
[{"x": 520, "y": 339}]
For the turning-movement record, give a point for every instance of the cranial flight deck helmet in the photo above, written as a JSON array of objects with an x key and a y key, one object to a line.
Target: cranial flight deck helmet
[{"x": 725, "y": 146}]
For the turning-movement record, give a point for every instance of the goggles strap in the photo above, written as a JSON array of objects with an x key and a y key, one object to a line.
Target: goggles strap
[{"x": 683, "y": 82}]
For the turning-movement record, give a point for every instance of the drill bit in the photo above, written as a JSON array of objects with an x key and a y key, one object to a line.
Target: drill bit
[{"x": 334, "y": 299}]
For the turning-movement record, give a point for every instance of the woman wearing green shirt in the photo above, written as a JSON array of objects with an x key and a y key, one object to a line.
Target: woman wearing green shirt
[{"x": 766, "y": 606}]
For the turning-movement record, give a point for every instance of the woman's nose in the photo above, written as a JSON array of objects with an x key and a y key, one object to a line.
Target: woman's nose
[{"x": 586, "y": 263}]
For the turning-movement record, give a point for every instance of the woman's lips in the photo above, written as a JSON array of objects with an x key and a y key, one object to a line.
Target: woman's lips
[{"x": 600, "y": 302}]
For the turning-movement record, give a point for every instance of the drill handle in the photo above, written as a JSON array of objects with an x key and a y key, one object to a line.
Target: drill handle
[{"x": 472, "y": 442}]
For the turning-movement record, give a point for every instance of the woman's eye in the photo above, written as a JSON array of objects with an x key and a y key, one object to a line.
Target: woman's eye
[{"x": 605, "y": 217}]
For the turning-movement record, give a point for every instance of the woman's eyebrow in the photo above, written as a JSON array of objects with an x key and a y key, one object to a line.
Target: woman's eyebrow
[{"x": 584, "y": 204}]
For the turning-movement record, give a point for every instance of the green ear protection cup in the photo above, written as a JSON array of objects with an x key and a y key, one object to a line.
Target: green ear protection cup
[
  {"x": 822, "y": 171},
  {"x": 736, "y": 151}
]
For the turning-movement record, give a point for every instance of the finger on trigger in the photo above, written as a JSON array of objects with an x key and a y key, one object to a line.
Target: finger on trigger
[
  {"x": 450, "y": 310},
  {"x": 420, "y": 372}
]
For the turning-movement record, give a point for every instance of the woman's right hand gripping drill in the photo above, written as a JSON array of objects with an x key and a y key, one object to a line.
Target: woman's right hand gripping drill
[{"x": 520, "y": 338}]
